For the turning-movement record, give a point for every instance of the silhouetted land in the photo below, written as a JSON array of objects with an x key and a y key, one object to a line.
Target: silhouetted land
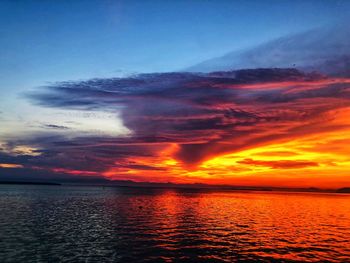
[
  {"x": 198, "y": 186},
  {"x": 344, "y": 190},
  {"x": 28, "y": 183}
]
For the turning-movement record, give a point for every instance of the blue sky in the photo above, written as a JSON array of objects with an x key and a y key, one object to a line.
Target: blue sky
[{"x": 64, "y": 40}]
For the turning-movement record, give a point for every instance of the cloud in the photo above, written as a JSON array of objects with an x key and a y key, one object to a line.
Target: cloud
[
  {"x": 10, "y": 165},
  {"x": 53, "y": 126},
  {"x": 180, "y": 120},
  {"x": 285, "y": 164},
  {"x": 325, "y": 49}
]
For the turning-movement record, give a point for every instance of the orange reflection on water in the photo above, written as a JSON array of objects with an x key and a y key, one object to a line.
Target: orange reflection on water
[
  {"x": 246, "y": 225},
  {"x": 122, "y": 224}
]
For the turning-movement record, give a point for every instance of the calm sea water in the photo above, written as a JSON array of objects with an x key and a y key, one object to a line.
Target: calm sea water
[{"x": 95, "y": 224}]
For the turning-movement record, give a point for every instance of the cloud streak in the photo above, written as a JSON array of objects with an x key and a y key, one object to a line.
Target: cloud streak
[
  {"x": 179, "y": 122},
  {"x": 325, "y": 49}
]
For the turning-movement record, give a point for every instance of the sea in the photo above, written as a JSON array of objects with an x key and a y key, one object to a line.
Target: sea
[{"x": 58, "y": 223}]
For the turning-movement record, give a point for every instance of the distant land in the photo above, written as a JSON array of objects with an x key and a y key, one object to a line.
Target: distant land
[
  {"x": 28, "y": 183},
  {"x": 198, "y": 186},
  {"x": 225, "y": 187},
  {"x": 344, "y": 190}
]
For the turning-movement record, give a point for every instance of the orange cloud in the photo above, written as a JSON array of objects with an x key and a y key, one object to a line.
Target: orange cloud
[
  {"x": 285, "y": 164},
  {"x": 10, "y": 165},
  {"x": 271, "y": 127}
]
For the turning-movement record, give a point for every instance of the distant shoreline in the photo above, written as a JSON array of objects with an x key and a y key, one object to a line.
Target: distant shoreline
[
  {"x": 129, "y": 184},
  {"x": 28, "y": 183}
]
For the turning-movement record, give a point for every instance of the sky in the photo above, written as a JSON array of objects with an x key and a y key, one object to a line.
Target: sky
[{"x": 99, "y": 90}]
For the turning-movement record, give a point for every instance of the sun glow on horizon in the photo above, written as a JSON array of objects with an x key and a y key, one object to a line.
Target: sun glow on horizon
[{"x": 320, "y": 159}]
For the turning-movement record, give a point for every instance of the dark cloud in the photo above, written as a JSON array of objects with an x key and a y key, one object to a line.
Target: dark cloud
[
  {"x": 203, "y": 114},
  {"x": 43, "y": 175},
  {"x": 57, "y": 127}
]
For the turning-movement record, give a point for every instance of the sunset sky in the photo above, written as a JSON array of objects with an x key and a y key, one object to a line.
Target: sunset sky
[{"x": 253, "y": 93}]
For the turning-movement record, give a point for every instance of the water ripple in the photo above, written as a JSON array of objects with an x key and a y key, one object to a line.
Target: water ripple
[{"x": 93, "y": 224}]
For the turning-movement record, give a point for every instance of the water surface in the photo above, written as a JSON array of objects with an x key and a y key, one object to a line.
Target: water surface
[{"x": 96, "y": 224}]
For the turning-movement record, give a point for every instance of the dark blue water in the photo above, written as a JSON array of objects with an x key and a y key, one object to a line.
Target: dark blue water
[{"x": 95, "y": 224}]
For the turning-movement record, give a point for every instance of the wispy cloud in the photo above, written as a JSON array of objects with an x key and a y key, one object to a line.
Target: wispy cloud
[{"x": 325, "y": 49}]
